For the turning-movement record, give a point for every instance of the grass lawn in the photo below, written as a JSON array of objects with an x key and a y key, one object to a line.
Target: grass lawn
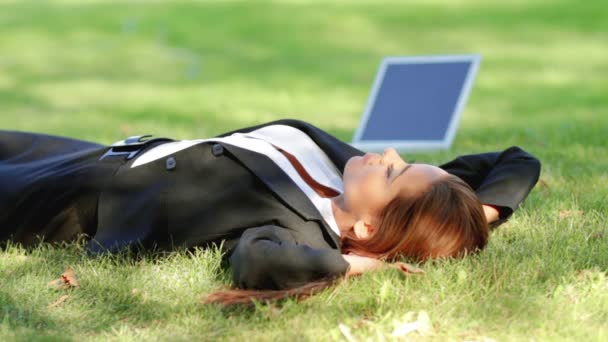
[{"x": 101, "y": 71}]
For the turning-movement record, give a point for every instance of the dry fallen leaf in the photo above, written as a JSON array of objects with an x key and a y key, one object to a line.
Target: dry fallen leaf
[
  {"x": 58, "y": 302},
  {"x": 595, "y": 235},
  {"x": 274, "y": 311},
  {"x": 346, "y": 332},
  {"x": 67, "y": 280},
  {"x": 421, "y": 325},
  {"x": 143, "y": 296},
  {"x": 481, "y": 339},
  {"x": 569, "y": 213},
  {"x": 590, "y": 273}
]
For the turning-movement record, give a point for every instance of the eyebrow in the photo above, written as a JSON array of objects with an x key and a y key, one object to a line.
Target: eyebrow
[{"x": 402, "y": 172}]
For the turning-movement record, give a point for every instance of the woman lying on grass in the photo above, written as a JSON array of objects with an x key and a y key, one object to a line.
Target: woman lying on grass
[{"x": 293, "y": 207}]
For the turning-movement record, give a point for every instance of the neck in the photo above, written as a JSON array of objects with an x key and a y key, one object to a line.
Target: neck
[{"x": 344, "y": 218}]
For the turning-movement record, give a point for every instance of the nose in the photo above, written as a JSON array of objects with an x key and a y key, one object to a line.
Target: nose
[
  {"x": 390, "y": 151},
  {"x": 387, "y": 155},
  {"x": 391, "y": 154}
]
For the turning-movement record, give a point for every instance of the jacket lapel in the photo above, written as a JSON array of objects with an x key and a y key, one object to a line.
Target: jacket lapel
[
  {"x": 281, "y": 184},
  {"x": 338, "y": 152}
]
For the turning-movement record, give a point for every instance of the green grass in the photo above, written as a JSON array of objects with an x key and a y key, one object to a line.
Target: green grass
[{"x": 100, "y": 71}]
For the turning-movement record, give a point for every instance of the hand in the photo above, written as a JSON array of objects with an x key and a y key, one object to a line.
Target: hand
[
  {"x": 491, "y": 213},
  {"x": 405, "y": 268},
  {"x": 360, "y": 264}
]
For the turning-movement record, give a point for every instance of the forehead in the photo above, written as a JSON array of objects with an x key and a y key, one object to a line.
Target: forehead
[{"x": 417, "y": 178}]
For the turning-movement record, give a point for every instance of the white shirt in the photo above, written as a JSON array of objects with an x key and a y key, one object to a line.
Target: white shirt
[{"x": 299, "y": 144}]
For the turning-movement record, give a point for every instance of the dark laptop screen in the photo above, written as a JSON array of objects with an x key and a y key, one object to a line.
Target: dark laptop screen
[{"x": 416, "y": 101}]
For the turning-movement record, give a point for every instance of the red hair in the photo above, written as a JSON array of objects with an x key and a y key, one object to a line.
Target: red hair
[{"x": 447, "y": 220}]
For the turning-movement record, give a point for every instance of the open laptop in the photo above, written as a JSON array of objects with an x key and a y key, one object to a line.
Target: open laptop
[{"x": 416, "y": 102}]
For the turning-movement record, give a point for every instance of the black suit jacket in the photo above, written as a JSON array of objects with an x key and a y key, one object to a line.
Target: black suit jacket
[{"x": 211, "y": 193}]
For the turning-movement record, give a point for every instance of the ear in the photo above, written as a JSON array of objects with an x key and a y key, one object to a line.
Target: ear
[{"x": 363, "y": 230}]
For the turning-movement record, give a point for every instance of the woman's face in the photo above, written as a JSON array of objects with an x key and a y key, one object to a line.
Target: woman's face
[{"x": 373, "y": 180}]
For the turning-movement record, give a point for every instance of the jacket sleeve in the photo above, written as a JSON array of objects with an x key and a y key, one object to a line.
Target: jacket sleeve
[
  {"x": 501, "y": 179},
  {"x": 268, "y": 257}
]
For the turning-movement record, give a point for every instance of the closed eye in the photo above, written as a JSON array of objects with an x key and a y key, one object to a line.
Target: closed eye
[{"x": 402, "y": 172}]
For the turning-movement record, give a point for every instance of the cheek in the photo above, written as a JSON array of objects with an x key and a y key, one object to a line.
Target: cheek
[{"x": 365, "y": 191}]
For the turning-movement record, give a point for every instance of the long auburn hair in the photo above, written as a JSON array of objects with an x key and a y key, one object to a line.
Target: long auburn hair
[{"x": 447, "y": 220}]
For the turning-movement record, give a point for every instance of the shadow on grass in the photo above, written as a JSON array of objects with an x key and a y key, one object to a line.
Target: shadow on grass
[{"x": 27, "y": 322}]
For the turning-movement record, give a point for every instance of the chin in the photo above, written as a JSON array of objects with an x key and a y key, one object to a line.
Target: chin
[
  {"x": 352, "y": 160},
  {"x": 348, "y": 166},
  {"x": 351, "y": 169}
]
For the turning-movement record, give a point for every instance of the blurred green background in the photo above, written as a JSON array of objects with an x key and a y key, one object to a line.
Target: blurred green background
[
  {"x": 104, "y": 70},
  {"x": 99, "y": 70}
]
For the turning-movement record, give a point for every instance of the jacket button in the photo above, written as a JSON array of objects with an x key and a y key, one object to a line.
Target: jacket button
[
  {"x": 170, "y": 163},
  {"x": 217, "y": 150}
]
